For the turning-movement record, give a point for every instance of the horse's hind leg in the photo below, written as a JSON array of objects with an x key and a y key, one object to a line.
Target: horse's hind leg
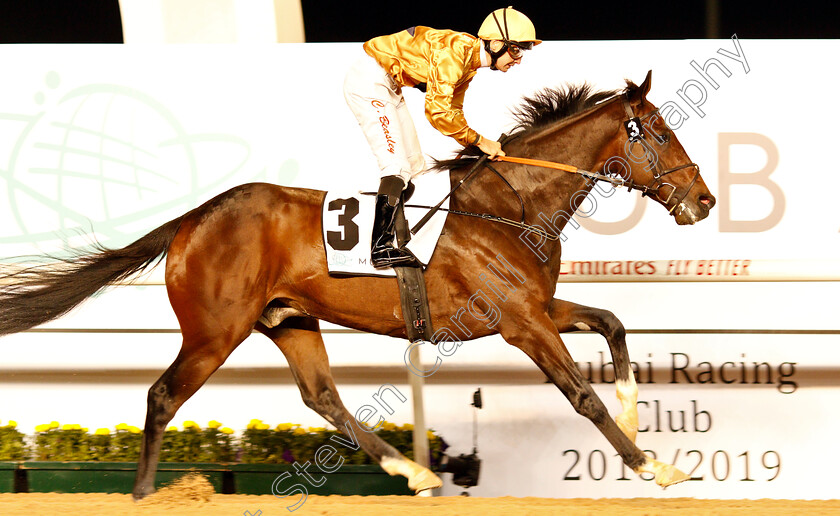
[
  {"x": 568, "y": 316},
  {"x": 198, "y": 359},
  {"x": 541, "y": 342},
  {"x": 299, "y": 338}
]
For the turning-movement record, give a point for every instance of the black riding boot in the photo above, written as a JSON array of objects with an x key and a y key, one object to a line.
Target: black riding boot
[{"x": 382, "y": 251}]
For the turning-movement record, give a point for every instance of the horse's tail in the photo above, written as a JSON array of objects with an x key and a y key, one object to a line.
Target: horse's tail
[{"x": 34, "y": 295}]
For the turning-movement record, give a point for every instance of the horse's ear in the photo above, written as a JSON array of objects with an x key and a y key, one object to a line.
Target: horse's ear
[{"x": 645, "y": 87}]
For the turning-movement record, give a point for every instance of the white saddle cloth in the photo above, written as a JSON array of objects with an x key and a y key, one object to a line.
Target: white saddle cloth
[{"x": 348, "y": 223}]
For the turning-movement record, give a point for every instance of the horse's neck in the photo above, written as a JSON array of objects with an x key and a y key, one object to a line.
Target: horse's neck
[
  {"x": 549, "y": 197},
  {"x": 585, "y": 144}
]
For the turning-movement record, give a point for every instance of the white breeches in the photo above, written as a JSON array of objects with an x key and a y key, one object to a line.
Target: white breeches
[{"x": 377, "y": 101}]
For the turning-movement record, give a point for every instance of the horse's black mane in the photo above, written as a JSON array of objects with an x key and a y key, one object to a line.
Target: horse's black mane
[
  {"x": 552, "y": 105},
  {"x": 541, "y": 110}
]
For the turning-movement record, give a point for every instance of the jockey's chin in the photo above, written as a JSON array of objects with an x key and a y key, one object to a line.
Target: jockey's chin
[{"x": 505, "y": 63}]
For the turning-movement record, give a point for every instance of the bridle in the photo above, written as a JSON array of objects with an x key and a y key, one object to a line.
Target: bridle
[
  {"x": 636, "y": 134},
  {"x": 653, "y": 188}
]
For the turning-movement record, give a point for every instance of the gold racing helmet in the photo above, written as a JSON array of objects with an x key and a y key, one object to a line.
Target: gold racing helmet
[{"x": 510, "y": 26}]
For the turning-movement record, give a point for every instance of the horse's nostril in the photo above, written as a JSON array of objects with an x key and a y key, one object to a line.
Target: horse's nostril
[{"x": 706, "y": 200}]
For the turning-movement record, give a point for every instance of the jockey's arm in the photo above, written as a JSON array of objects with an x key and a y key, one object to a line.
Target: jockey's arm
[
  {"x": 488, "y": 146},
  {"x": 445, "y": 93},
  {"x": 445, "y": 112}
]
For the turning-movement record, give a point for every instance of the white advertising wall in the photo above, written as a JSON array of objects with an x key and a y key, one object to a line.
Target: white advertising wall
[{"x": 738, "y": 379}]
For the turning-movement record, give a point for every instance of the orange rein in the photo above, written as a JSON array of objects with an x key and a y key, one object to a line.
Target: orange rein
[
  {"x": 569, "y": 168},
  {"x": 539, "y": 163}
]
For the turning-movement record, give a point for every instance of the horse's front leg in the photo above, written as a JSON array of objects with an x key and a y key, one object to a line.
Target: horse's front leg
[
  {"x": 568, "y": 316},
  {"x": 540, "y": 341}
]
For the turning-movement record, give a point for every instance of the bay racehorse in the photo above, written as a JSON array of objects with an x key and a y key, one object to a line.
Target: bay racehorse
[{"x": 253, "y": 258}]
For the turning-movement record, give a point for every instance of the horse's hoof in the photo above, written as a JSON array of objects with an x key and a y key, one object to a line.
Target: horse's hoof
[
  {"x": 136, "y": 497},
  {"x": 424, "y": 481},
  {"x": 419, "y": 478},
  {"x": 664, "y": 474},
  {"x": 670, "y": 476}
]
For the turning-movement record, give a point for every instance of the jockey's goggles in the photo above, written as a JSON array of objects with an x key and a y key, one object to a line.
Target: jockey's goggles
[{"x": 516, "y": 48}]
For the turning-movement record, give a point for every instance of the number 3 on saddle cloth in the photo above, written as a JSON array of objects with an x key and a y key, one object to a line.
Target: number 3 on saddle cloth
[{"x": 348, "y": 224}]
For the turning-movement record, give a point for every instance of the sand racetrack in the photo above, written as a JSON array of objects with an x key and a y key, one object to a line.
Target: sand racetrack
[
  {"x": 193, "y": 495},
  {"x": 30, "y": 504}
]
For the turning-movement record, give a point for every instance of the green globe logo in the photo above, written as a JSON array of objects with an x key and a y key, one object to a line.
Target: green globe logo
[{"x": 109, "y": 158}]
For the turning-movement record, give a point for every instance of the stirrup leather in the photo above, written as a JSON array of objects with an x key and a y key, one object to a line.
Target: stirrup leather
[{"x": 384, "y": 257}]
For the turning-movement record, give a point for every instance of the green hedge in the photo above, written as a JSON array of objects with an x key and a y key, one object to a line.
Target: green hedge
[{"x": 258, "y": 443}]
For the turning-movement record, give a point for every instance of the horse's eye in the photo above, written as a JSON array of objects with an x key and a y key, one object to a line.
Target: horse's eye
[{"x": 663, "y": 137}]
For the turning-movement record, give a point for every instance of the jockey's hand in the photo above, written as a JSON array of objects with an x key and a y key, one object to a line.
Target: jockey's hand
[{"x": 490, "y": 147}]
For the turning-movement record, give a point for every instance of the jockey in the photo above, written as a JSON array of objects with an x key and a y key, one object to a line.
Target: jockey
[{"x": 440, "y": 63}]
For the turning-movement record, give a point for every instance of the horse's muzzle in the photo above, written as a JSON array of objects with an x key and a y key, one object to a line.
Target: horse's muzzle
[{"x": 693, "y": 208}]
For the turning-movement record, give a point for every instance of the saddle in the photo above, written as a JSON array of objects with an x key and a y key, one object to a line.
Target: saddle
[{"x": 347, "y": 219}]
